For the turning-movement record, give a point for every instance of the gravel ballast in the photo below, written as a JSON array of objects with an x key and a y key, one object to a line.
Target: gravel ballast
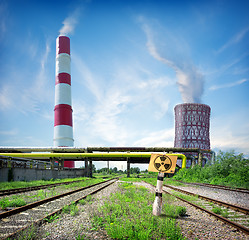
[
  {"x": 232, "y": 197},
  {"x": 196, "y": 224}
]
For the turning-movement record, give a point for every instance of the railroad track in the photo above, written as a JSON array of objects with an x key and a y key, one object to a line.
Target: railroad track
[
  {"x": 28, "y": 189},
  {"x": 221, "y": 203},
  {"x": 238, "y": 220},
  {"x": 242, "y": 190},
  {"x": 232, "y": 217},
  {"x": 13, "y": 222}
]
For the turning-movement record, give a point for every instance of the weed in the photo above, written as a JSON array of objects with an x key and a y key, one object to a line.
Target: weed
[
  {"x": 225, "y": 213},
  {"x": 80, "y": 237},
  {"x": 66, "y": 209},
  {"x": 74, "y": 209},
  {"x": 89, "y": 198},
  {"x": 186, "y": 197},
  {"x": 28, "y": 234},
  {"x": 52, "y": 218},
  {"x": 82, "y": 202},
  {"x": 71, "y": 209},
  {"x": 217, "y": 210},
  {"x": 174, "y": 211}
]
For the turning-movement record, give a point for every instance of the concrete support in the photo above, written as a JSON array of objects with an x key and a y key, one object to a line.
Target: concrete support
[
  {"x": 193, "y": 163},
  {"x": 90, "y": 169},
  {"x": 86, "y": 167},
  {"x": 200, "y": 158},
  {"x": 128, "y": 167},
  {"x": 52, "y": 162}
]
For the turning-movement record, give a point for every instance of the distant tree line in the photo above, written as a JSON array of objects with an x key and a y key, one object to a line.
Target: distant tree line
[{"x": 135, "y": 170}]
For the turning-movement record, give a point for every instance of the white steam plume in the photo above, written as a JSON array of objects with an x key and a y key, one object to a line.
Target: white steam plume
[
  {"x": 69, "y": 23},
  {"x": 190, "y": 82}
]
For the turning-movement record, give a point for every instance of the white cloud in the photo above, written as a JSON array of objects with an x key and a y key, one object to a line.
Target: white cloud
[
  {"x": 87, "y": 78},
  {"x": 111, "y": 117},
  {"x": 162, "y": 138},
  {"x": 234, "y": 39},
  {"x": 228, "y": 85},
  {"x": 16, "y": 94},
  {"x": 6, "y": 101},
  {"x": 106, "y": 121},
  {"x": 231, "y": 134},
  {"x": 11, "y": 132}
]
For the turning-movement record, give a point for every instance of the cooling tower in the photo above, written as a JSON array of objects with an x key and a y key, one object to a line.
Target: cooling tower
[
  {"x": 192, "y": 125},
  {"x": 63, "y": 121}
]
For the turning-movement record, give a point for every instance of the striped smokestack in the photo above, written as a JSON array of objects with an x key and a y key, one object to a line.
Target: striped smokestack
[{"x": 63, "y": 121}]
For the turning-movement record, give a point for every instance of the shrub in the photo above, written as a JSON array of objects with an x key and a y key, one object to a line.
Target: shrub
[{"x": 229, "y": 169}]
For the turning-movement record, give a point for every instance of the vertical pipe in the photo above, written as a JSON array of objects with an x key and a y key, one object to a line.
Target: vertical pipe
[{"x": 63, "y": 121}]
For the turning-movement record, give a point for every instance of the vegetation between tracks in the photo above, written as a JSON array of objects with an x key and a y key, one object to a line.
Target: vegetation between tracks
[
  {"x": 230, "y": 169},
  {"x": 23, "y": 184},
  {"x": 23, "y": 199},
  {"x": 128, "y": 215}
]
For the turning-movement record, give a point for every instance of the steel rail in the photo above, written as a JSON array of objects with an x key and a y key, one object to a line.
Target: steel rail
[
  {"x": 225, "y": 204},
  {"x": 243, "y": 190},
  {"x": 37, "y": 203},
  {"x": 225, "y": 220},
  {"x": 33, "y": 188},
  {"x": 43, "y": 220}
]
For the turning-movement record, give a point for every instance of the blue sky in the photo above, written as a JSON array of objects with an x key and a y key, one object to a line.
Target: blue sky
[{"x": 131, "y": 63}]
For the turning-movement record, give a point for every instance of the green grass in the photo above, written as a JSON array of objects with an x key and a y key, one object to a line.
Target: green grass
[
  {"x": 21, "y": 184},
  {"x": 128, "y": 215},
  {"x": 174, "y": 211},
  {"x": 221, "y": 211},
  {"x": 217, "y": 210},
  {"x": 21, "y": 200},
  {"x": 71, "y": 209},
  {"x": 52, "y": 218},
  {"x": 7, "y": 202}
]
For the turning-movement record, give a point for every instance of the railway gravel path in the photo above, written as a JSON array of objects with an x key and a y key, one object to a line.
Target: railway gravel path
[
  {"x": 233, "y": 197},
  {"x": 10, "y": 224},
  {"x": 196, "y": 225}
]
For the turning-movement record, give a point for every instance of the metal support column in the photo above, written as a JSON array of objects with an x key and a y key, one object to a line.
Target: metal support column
[
  {"x": 128, "y": 167},
  {"x": 90, "y": 169},
  {"x": 86, "y": 167}
]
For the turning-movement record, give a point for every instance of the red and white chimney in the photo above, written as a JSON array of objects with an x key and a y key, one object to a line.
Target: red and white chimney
[{"x": 63, "y": 120}]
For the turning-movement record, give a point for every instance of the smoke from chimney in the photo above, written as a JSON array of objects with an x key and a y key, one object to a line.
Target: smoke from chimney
[
  {"x": 189, "y": 80},
  {"x": 69, "y": 23}
]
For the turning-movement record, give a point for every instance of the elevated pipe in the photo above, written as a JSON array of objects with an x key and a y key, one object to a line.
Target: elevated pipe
[{"x": 86, "y": 155}]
